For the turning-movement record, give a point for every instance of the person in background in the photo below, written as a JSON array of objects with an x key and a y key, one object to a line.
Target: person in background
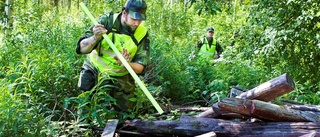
[
  {"x": 130, "y": 37},
  {"x": 233, "y": 39},
  {"x": 208, "y": 46}
]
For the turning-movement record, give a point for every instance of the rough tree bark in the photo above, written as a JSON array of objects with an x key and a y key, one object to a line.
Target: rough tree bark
[
  {"x": 8, "y": 16},
  {"x": 267, "y": 111},
  {"x": 191, "y": 126},
  {"x": 265, "y": 92},
  {"x": 271, "y": 89}
]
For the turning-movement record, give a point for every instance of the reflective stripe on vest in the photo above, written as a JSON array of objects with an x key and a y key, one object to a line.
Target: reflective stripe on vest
[{"x": 106, "y": 63}]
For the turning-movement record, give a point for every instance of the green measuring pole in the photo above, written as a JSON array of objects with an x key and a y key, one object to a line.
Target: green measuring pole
[{"x": 124, "y": 62}]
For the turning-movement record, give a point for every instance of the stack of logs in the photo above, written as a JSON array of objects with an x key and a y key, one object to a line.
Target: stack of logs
[{"x": 249, "y": 113}]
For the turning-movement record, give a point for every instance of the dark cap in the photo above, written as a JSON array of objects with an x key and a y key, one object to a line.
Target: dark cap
[
  {"x": 137, "y": 9},
  {"x": 211, "y": 29}
]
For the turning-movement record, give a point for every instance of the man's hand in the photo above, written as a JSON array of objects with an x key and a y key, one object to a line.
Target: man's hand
[
  {"x": 98, "y": 30},
  {"x": 87, "y": 45},
  {"x": 125, "y": 55}
]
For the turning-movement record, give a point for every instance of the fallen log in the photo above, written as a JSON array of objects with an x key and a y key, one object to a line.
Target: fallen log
[
  {"x": 185, "y": 109},
  {"x": 216, "y": 112},
  {"x": 309, "y": 108},
  {"x": 306, "y": 108},
  {"x": 224, "y": 114},
  {"x": 311, "y": 134},
  {"x": 236, "y": 91},
  {"x": 264, "y": 92},
  {"x": 192, "y": 126},
  {"x": 110, "y": 128},
  {"x": 271, "y": 89},
  {"x": 266, "y": 111}
]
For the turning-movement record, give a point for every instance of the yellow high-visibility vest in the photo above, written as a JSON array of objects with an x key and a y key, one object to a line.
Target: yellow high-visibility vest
[
  {"x": 206, "y": 50},
  {"x": 105, "y": 62}
]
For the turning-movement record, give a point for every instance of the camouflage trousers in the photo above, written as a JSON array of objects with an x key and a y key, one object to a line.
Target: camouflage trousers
[{"x": 122, "y": 90}]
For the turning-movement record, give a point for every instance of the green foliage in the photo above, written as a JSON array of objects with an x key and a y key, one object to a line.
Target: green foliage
[
  {"x": 37, "y": 63},
  {"x": 39, "y": 67},
  {"x": 284, "y": 39},
  {"x": 207, "y": 7},
  {"x": 305, "y": 95},
  {"x": 19, "y": 113}
]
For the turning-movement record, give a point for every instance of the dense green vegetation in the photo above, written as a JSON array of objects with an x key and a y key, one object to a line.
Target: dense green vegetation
[{"x": 39, "y": 67}]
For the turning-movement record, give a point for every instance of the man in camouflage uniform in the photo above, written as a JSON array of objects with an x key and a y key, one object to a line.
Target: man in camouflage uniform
[{"x": 130, "y": 37}]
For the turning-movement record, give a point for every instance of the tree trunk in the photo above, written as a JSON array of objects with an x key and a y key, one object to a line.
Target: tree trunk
[
  {"x": 8, "y": 17},
  {"x": 39, "y": 2},
  {"x": 225, "y": 114},
  {"x": 266, "y": 111},
  {"x": 69, "y": 5},
  {"x": 56, "y": 4},
  {"x": 306, "y": 108},
  {"x": 271, "y": 89},
  {"x": 265, "y": 92},
  {"x": 191, "y": 126}
]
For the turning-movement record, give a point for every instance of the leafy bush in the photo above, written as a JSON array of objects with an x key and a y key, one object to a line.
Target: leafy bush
[
  {"x": 19, "y": 115},
  {"x": 39, "y": 68}
]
